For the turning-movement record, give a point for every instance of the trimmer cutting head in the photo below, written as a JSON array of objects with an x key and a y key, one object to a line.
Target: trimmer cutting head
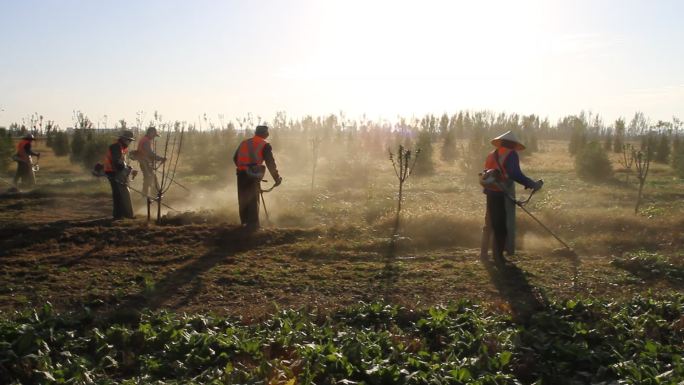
[{"x": 563, "y": 252}]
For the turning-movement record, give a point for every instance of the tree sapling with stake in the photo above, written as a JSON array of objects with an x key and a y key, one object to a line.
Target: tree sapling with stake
[{"x": 403, "y": 171}]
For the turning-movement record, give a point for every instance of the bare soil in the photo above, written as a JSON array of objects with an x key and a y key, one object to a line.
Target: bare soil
[{"x": 62, "y": 248}]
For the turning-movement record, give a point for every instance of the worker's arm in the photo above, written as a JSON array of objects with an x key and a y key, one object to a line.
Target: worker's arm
[
  {"x": 513, "y": 171},
  {"x": 235, "y": 156},
  {"x": 118, "y": 161},
  {"x": 147, "y": 147},
  {"x": 270, "y": 162},
  {"x": 27, "y": 149}
]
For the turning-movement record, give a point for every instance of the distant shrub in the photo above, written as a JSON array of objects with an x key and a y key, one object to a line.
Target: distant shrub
[
  {"x": 60, "y": 144},
  {"x": 592, "y": 163},
  {"x": 95, "y": 150},
  {"x": 6, "y": 149},
  {"x": 210, "y": 153},
  {"x": 425, "y": 165},
  {"x": 78, "y": 142},
  {"x": 678, "y": 164},
  {"x": 662, "y": 154}
]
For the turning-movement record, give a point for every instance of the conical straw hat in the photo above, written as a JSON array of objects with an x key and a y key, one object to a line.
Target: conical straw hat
[{"x": 510, "y": 137}]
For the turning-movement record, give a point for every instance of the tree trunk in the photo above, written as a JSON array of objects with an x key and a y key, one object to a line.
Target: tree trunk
[
  {"x": 638, "y": 202},
  {"x": 159, "y": 208},
  {"x": 396, "y": 220}
]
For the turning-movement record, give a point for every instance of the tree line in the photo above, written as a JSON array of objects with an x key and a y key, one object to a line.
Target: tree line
[{"x": 462, "y": 136}]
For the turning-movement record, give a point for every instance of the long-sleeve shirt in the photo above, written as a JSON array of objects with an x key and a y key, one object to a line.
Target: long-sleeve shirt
[
  {"x": 268, "y": 159},
  {"x": 118, "y": 160},
  {"x": 147, "y": 153},
  {"x": 28, "y": 150},
  {"x": 513, "y": 171}
]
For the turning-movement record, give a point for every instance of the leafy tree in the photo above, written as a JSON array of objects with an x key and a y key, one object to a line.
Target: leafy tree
[
  {"x": 619, "y": 136},
  {"x": 458, "y": 125},
  {"x": 638, "y": 125},
  {"x": 49, "y": 138},
  {"x": 608, "y": 142},
  {"x": 530, "y": 126},
  {"x": 642, "y": 161},
  {"x": 94, "y": 150},
  {"x": 678, "y": 164},
  {"x": 592, "y": 163},
  {"x": 578, "y": 136},
  {"x": 424, "y": 165},
  {"x": 78, "y": 143},
  {"x": 6, "y": 149},
  {"x": 60, "y": 143},
  {"x": 449, "y": 147},
  {"x": 444, "y": 125},
  {"x": 662, "y": 153}
]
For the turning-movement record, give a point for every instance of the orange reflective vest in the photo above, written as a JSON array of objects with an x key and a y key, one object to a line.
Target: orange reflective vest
[
  {"x": 496, "y": 160},
  {"x": 108, "y": 165},
  {"x": 142, "y": 152},
  {"x": 251, "y": 153},
  {"x": 21, "y": 151}
]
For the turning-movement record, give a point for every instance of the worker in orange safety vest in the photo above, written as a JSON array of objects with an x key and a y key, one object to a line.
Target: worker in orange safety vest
[
  {"x": 25, "y": 162},
  {"x": 503, "y": 168},
  {"x": 118, "y": 171},
  {"x": 249, "y": 158}
]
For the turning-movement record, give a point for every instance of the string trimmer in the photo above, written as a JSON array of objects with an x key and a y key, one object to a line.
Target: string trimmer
[
  {"x": 7, "y": 183},
  {"x": 98, "y": 171},
  {"x": 263, "y": 202},
  {"x": 568, "y": 252}
]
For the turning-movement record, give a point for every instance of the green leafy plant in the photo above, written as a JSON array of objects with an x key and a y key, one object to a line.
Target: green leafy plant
[{"x": 576, "y": 341}]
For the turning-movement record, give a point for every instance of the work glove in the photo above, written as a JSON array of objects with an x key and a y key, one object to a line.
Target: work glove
[
  {"x": 278, "y": 181},
  {"x": 38, "y": 155},
  {"x": 134, "y": 173},
  {"x": 162, "y": 160},
  {"x": 538, "y": 185}
]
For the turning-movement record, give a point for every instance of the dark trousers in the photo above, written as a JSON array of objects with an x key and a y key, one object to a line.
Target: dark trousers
[
  {"x": 25, "y": 174},
  {"x": 496, "y": 218},
  {"x": 248, "y": 200},
  {"x": 121, "y": 199}
]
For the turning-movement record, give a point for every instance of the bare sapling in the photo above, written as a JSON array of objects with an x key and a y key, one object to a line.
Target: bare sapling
[
  {"x": 642, "y": 162},
  {"x": 172, "y": 150},
  {"x": 403, "y": 169},
  {"x": 627, "y": 160}
]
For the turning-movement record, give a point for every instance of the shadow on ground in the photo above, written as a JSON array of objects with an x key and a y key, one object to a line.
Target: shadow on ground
[
  {"x": 514, "y": 287},
  {"x": 178, "y": 288}
]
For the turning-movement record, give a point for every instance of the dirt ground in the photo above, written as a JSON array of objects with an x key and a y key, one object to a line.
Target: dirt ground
[
  {"x": 58, "y": 245},
  {"x": 70, "y": 254}
]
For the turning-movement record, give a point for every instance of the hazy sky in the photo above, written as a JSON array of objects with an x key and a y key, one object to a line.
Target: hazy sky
[{"x": 382, "y": 58}]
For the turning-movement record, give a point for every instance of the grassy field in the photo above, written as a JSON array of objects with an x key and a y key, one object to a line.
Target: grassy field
[{"x": 327, "y": 249}]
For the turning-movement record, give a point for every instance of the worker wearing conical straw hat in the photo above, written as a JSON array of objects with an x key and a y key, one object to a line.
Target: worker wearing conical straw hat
[
  {"x": 503, "y": 169},
  {"x": 117, "y": 171}
]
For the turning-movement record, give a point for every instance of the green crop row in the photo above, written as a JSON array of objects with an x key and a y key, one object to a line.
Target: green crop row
[{"x": 573, "y": 342}]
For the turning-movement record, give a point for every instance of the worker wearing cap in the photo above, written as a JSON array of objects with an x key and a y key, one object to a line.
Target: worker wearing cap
[
  {"x": 117, "y": 172},
  {"x": 249, "y": 159},
  {"x": 500, "y": 217},
  {"x": 25, "y": 162},
  {"x": 147, "y": 158}
]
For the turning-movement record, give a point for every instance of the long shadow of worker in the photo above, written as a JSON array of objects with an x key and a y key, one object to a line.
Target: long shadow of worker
[
  {"x": 18, "y": 236},
  {"x": 511, "y": 282},
  {"x": 183, "y": 284}
]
